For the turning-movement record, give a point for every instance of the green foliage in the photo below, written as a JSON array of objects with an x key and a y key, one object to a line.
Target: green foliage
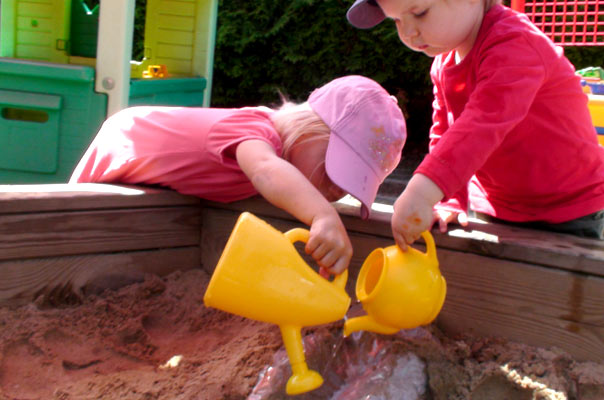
[
  {"x": 294, "y": 46},
  {"x": 583, "y": 57},
  {"x": 139, "y": 30},
  {"x": 91, "y": 3},
  {"x": 264, "y": 47}
]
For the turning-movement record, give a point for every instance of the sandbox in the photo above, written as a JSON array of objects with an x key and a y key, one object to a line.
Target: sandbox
[
  {"x": 156, "y": 340},
  {"x": 102, "y": 298}
]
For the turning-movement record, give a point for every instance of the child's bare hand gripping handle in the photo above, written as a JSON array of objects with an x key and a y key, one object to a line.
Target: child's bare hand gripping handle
[
  {"x": 329, "y": 244},
  {"x": 413, "y": 210},
  {"x": 284, "y": 186}
]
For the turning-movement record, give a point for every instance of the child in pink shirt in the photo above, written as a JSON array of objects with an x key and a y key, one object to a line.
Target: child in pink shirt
[
  {"x": 512, "y": 137},
  {"x": 346, "y": 138}
]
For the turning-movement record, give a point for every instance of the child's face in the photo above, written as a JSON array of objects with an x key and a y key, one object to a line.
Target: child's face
[
  {"x": 309, "y": 157},
  {"x": 436, "y": 26}
]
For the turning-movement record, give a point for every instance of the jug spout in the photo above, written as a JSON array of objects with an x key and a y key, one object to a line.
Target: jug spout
[{"x": 367, "y": 323}]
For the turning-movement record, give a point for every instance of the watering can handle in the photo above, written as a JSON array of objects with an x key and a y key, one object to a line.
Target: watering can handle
[
  {"x": 302, "y": 235},
  {"x": 430, "y": 246}
]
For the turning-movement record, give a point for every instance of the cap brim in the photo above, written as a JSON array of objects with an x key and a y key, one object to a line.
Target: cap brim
[
  {"x": 364, "y": 15},
  {"x": 349, "y": 171}
]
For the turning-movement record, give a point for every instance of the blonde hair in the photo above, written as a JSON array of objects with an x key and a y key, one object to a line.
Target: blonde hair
[{"x": 297, "y": 123}]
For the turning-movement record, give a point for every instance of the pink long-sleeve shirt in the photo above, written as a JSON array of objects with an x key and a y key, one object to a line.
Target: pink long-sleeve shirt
[{"x": 512, "y": 136}]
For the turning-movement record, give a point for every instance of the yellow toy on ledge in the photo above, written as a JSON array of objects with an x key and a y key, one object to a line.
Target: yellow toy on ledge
[
  {"x": 596, "y": 109},
  {"x": 156, "y": 71}
]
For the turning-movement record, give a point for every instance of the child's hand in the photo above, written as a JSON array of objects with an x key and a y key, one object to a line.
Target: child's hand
[
  {"x": 413, "y": 210},
  {"x": 329, "y": 244},
  {"x": 445, "y": 217},
  {"x": 412, "y": 216}
]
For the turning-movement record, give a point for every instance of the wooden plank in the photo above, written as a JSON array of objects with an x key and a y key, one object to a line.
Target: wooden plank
[
  {"x": 84, "y": 196},
  {"x": 66, "y": 279},
  {"x": 536, "y": 287},
  {"x": 531, "y": 304},
  {"x": 526, "y": 303},
  {"x": 501, "y": 241},
  {"x": 46, "y": 234},
  {"x": 486, "y": 296}
]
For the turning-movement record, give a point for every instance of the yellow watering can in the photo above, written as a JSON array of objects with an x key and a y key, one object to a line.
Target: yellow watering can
[
  {"x": 261, "y": 276},
  {"x": 398, "y": 290}
]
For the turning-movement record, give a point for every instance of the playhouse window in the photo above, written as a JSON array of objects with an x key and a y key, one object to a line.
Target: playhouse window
[{"x": 22, "y": 114}]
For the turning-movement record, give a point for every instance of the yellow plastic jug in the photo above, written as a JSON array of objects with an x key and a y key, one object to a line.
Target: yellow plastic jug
[
  {"x": 398, "y": 290},
  {"x": 261, "y": 276}
]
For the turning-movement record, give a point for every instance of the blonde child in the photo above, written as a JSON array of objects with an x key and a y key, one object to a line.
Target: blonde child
[
  {"x": 346, "y": 138},
  {"x": 512, "y": 138}
]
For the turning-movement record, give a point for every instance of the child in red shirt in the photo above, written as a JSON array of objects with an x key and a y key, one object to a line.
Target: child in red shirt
[
  {"x": 512, "y": 136},
  {"x": 346, "y": 138}
]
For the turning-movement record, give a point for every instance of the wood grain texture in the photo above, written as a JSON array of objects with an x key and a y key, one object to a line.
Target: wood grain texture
[
  {"x": 66, "y": 279},
  {"x": 535, "y": 287},
  {"x": 57, "y": 241},
  {"x": 85, "y": 196},
  {"x": 499, "y": 241},
  {"x": 526, "y": 303},
  {"x": 46, "y": 234}
]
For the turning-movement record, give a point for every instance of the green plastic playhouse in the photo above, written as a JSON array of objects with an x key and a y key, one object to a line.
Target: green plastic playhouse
[{"x": 65, "y": 66}]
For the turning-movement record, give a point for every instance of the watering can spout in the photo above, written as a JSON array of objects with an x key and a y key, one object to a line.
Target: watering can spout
[{"x": 367, "y": 323}]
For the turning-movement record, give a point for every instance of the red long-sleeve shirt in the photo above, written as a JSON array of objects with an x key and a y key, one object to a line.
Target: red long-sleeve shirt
[{"x": 512, "y": 136}]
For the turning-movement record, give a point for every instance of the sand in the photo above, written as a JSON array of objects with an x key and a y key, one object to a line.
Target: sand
[{"x": 156, "y": 340}]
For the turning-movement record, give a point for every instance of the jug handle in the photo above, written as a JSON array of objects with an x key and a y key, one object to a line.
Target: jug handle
[
  {"x": 430, "y": 246},
  {"x": 302, "y": 235}
]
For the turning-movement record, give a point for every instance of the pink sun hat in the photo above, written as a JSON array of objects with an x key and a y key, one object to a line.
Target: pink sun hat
[{"x": 368, "y": 133}]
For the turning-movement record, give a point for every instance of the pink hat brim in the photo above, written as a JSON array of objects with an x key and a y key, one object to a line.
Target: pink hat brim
[{"x": 354, "y": 176}]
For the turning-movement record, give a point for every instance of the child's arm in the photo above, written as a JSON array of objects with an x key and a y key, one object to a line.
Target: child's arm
[
  {"x": 413, "y": 210},
  {"x": 283, "y": 185}
]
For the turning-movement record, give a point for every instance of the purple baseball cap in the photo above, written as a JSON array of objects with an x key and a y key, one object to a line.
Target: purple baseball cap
[
  {"x": 368, "y": 133},
  {"x": 365, "y": 14}
]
